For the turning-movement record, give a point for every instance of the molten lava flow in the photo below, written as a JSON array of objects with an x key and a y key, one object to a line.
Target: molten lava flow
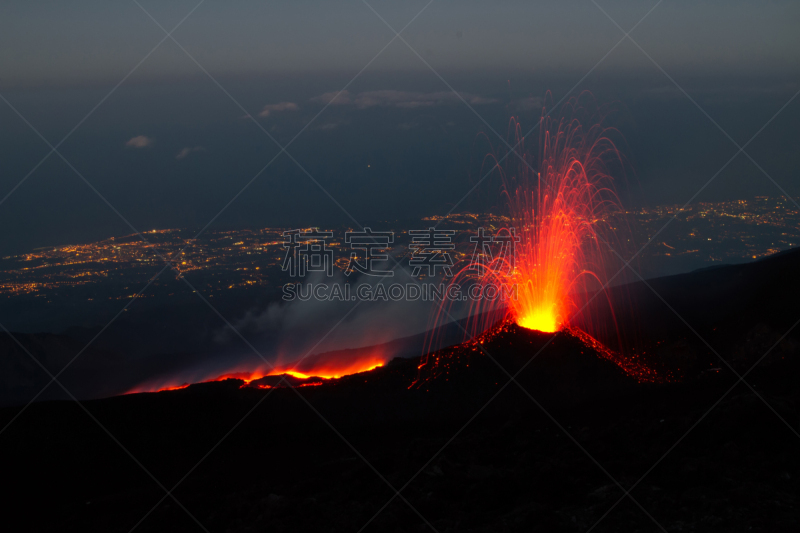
[
  {"x": 292, "y": 373},
  {"x": 313, "y": 371},
  {"x": 177, "y": 387}
]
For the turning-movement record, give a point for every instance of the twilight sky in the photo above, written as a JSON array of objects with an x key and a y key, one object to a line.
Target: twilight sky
[
  {"x": 170, "y": 148},
  {"x": 88, "y": 42}
]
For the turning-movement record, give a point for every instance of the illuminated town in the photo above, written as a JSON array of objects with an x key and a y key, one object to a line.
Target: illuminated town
[{"x": 701, "y": 234}]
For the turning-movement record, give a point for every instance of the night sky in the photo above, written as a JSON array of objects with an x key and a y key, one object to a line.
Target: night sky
[{"x": 170, "y": 145}]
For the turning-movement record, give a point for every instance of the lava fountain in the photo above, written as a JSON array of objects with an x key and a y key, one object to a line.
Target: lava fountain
[
  {"x": 564, "y": 217},
  {"x": 563, "y": 207},
  {"x": 553, "y": 263}
]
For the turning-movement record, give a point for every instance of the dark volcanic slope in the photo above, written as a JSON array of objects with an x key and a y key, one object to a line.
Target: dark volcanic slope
[
  {"x": 739, "y": 310},
  {"x": 318, "y": 466},
  {"x": 470, "y": 451}
]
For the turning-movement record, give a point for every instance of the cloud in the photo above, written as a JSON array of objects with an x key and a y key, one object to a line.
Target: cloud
[
  {"x": 281, "y": 106},
  {"x": 333, "y": 98},
  {"x": 140, "y": 141},
  {"x": 188, "y": 150},
  {"x": 400, "y": 99}
]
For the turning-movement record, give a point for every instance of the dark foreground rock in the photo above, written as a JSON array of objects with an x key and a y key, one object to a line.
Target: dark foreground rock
[{"x": 471, "y": 453}]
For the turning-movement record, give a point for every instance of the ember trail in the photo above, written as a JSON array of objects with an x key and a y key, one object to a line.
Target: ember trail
[
  {"x": 562, "y": 206},
  {"x": 566, "y": 220}
]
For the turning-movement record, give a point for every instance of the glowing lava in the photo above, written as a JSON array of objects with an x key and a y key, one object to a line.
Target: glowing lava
[
  {"x": 540, "y": 319},
  {"x": 312, "y": 374},
  {"x": 511, "y": 346},
  {"x": 565, "y": 218},
  {"x": 562, "y": 206}
]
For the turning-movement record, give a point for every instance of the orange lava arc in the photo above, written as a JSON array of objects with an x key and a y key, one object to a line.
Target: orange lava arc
[
  {"x": 564, "y": 214},
  {"x": 561, "y": 210}
]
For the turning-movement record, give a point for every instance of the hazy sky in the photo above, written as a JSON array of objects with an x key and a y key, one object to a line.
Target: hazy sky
[
  {"x": 170, "y": 148},
  {"x": 91, "y": 41}
]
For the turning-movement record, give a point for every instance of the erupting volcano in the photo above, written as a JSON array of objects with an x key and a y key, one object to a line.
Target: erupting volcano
[
  {"x": 550, "y": 265},
  {"x": 566, "y": 223},
  {"x": 561, "y": 205}
]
